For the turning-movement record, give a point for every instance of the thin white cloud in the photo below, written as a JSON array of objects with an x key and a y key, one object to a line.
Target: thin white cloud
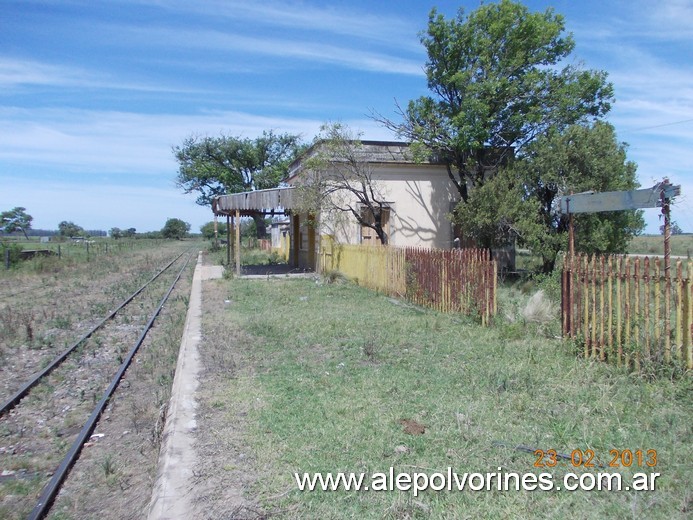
[
  {"x": 311, "y": 51},
  {"x": 14, "y": 73},
  {"x": 667, "y": 19},
  {"x": 84, "y": 140},
  {"x": 638, "y": 20},
  {"x": 109, "y": 142},
  {"x": 390, "y": 30},
  {"x": 17, "y": 73}
]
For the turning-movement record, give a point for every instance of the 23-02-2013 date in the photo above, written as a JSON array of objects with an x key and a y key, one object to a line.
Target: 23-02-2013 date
[{"x": 588, "y": 459}]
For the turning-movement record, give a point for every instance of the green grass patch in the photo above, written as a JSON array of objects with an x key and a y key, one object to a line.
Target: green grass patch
[
  {"x": 681, "y": 245},
  {"x": 331, "y": 370}
]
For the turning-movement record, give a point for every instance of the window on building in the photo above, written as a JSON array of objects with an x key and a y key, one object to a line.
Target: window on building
[{"x": 368, "y": 234}]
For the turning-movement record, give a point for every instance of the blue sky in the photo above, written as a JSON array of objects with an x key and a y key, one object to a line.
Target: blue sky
[{"x": 93, "y": 94}]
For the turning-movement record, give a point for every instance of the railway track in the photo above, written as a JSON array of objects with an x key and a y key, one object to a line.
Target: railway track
[
  {"x": 68, "y": 371},
  {"x": 36, "y": 378}
]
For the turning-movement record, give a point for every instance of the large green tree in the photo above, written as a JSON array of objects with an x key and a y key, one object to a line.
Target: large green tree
[
  {"x": 70, "y": 229},
  {"x": 16, "y": 219},
  {"x": 211, "y": 166},
  {"x": 497, "y": 85},
  {"x": 521, "y": 201},
  {"x": 175, "y": 228},
  {"x": 207, "y": 230}
]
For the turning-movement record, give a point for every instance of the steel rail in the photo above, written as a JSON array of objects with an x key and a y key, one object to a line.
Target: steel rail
[
  {"x": 12, "y": 401},
  {"x": 51, "y": 490}
]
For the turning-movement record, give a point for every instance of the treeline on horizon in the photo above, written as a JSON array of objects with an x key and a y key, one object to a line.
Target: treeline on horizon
[
  {"x": 87, "y": 232},
  {"x": 56, "y": 232}
]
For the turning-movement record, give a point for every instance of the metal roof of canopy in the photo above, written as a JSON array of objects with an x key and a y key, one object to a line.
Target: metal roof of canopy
[{"x": 275, "y": 200}]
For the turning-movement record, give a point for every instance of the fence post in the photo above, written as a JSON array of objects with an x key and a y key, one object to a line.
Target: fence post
[
  {"x": 610, "y": 305},
  {"x": 679, "y": 310},
  {"x": 688, "y": 313},
  {"x": 602, "y": 283},
  {"x": 646, "y": 305},
  {"x": 666, "y": 212},
  {"x": 7, "y": 258},
  {"x": 565, "y": 290},
  {"x": 636, "y": 313},
  {"x": 657, "y": 306}
]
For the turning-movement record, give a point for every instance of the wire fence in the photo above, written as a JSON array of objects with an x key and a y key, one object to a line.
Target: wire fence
[{"x": 18, "y": 253}]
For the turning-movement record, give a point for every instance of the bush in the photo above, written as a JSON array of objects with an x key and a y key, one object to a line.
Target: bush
[{"x": 14, "y": 250}]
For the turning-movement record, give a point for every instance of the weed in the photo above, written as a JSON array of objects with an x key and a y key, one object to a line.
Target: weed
[
  {"x": 108, "y": 465},
  {"x": 370, "y": 349},
  {"x": 334, "y": 276},
  {"x": 14, "y": 321},
  {"x": 62, "y": 322}
]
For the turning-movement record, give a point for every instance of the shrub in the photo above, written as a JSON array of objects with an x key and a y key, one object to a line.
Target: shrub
[{"x": 14, "y": 253}]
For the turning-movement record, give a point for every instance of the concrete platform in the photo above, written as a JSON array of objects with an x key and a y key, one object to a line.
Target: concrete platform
[
  {"x": 211, "y": 272},
  {"x": 170, "y": 497}
]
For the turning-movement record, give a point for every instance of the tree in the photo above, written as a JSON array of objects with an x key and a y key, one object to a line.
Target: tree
[
  {"x": 212, "y": 166},
  {"x": 175, "y": 228},
  {"x": 522, "y": 199},
  {"x": 15, "y": 220},
  {"x": 496, "y": 88},
  {"x": 207, "y": 230},
  {"x": 338, "y": 177},
  {"x": 70, "y": 229},
  {"x": 122, "y": 233}
]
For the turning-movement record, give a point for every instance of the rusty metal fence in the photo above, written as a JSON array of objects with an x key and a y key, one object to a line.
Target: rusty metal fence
[
  {"x": 629, "y": 310},
  {"x": 459, "y": 280}
]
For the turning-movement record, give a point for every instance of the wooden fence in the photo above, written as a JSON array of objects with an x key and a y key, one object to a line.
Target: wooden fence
[
  {"x": 628, "y": 310},
  {"x": 458, "y": 280}
]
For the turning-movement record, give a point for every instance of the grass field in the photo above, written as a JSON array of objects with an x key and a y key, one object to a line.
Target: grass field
[
  {"x": 681, "y": 245},
  {"x": 328, "y": 377},
  {"x": 69, "y": 252}
]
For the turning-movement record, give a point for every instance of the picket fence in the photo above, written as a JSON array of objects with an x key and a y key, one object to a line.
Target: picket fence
[
  {"x": 629, "y": 310},
  {"x": 458, "y": 280}
]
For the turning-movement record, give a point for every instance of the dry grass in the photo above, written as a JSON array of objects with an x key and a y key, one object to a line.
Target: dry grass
[{"x": 540, "y": 309}]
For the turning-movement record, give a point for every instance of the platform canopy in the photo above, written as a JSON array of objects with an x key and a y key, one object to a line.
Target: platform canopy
[{"x": 273, "y": 201}]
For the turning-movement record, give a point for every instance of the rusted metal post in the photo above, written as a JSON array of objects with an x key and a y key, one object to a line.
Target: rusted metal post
[
  {"x": 571, "y": 230},
  {"x": 666, "y": 211},
  {"x": 566, "y": 290}
]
